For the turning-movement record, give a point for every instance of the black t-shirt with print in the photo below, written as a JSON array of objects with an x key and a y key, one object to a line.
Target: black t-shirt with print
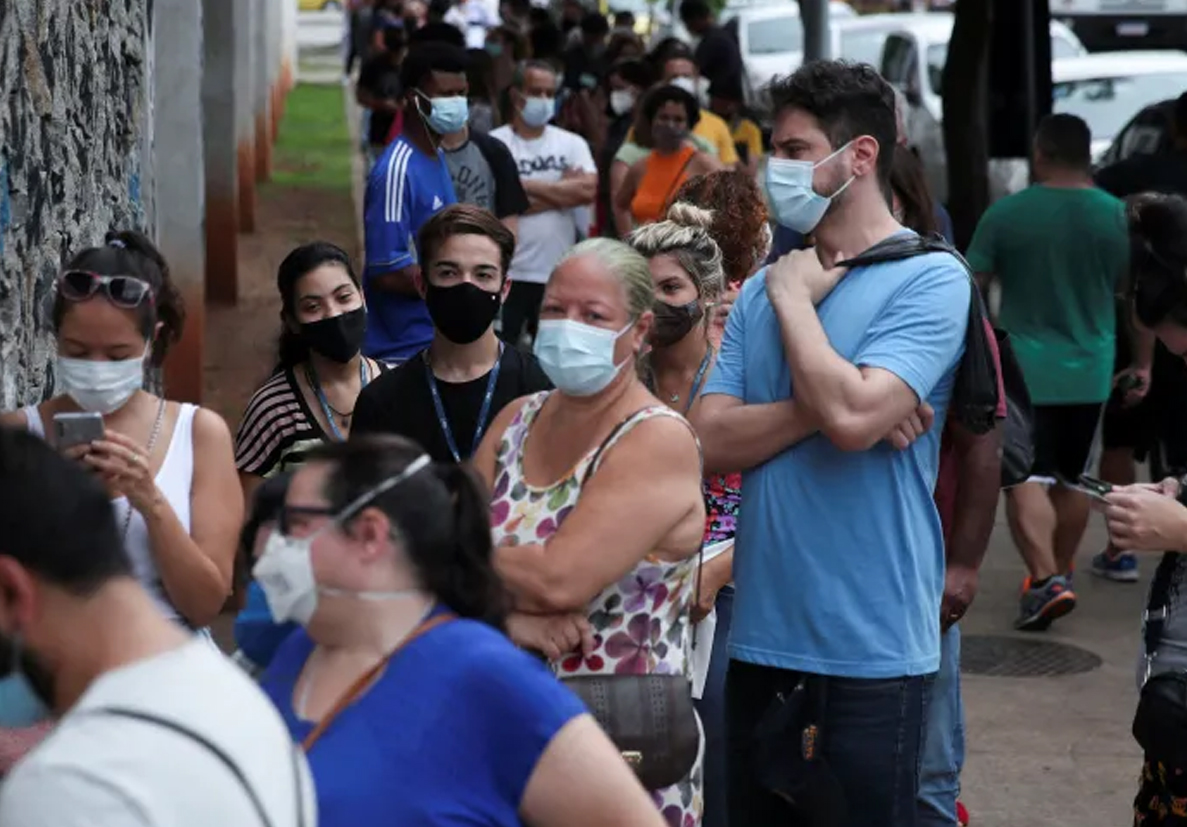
[{"x": 399, "y": 402}]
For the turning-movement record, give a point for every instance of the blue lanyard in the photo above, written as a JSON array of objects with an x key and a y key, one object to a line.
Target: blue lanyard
[
  {"x": 483, "y": 412},
  {"x": 698, "y": 379},
  {"x": 311, "y": 375}
]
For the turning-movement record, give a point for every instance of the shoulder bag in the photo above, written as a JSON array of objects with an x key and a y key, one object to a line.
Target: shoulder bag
[{"x": 1160, "y": 723}]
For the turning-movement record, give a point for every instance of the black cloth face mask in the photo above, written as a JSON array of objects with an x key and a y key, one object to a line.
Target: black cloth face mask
[
  {"x": 674, "y": 321},
  {"x": 338, "y": 338},
  {"x": 462, "y": 312}
]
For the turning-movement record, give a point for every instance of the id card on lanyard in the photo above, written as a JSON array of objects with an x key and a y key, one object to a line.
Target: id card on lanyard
[{"x": 483, "y": 411}]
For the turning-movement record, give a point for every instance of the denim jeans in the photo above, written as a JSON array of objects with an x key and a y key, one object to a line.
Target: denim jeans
[
  {"x": 943, "y": 748},
  {"x": 873, "y": 739},
  {"x": 711, "y": 708}
]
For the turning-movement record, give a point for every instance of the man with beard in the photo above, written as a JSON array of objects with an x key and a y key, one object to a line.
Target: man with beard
[{"x": 156, "y": 726}]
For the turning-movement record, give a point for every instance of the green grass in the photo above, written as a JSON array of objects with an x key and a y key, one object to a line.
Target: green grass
[{"x": 314, "y": 148}]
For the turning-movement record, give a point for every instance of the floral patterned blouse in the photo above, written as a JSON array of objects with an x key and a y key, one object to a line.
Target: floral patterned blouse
[{"x": 641, "y": 623}]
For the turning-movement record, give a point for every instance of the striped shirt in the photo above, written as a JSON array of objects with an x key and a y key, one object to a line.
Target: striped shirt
[{"x": 278, "y": 429}]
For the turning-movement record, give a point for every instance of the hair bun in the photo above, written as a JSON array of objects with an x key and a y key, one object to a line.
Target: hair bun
[{"x": 690, "y": 215}]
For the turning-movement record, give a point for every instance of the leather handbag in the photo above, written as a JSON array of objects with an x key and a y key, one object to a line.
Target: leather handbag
[
  {"x": 1160, "y": 723},
  {"x": 650, "y": 718}
]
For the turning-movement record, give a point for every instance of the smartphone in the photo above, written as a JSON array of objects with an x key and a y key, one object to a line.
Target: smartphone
[
  {"x": 72, "y": 429},
  {"x": 1093, "y": 487},
  {"x": 1128, "y": 383}
]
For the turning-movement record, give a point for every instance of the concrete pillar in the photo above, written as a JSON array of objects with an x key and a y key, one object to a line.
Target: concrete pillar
[
  {"x": 245, "y": 112},
  {"x": 275, "y": 42},
  {"x": 262, "y": 89},
  {"x": 288, "y": 58},
  {"x": 221, "y": 146},
  {"x": 818, "y": 43},
  {"x": 180, "y": 180}
]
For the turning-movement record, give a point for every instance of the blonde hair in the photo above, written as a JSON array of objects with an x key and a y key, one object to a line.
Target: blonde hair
[
  {"x": 625, "y": 264},
  {"x": 685, "y": 235}
]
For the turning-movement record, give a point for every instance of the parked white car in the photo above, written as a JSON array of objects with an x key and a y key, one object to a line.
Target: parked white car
[{"x": 913, "y": 60}]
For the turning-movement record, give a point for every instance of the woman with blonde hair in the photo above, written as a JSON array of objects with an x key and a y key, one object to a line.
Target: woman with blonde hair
[
  {"x": 596, "y": 506},
  {"x": 688, "y": 277}
]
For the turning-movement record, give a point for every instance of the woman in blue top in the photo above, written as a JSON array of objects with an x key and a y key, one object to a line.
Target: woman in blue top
[{"x": 412, "y": 705}]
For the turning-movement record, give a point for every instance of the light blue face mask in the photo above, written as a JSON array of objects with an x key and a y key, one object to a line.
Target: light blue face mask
[
  {"x": 796, "y": 204},
  {"x": 449, "y": 115},
  {"x": 578, "y": 358},
  {"x": 538, "y": 111},
  {"x": 20, "y": 706}
]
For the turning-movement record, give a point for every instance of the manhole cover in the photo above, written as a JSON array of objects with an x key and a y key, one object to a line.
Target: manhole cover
[{"x": 1011, "y": 657}]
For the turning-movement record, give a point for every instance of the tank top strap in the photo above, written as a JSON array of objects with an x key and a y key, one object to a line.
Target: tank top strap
[
  {"x": 33, "y": 421},
  {"x": 626, "y": 426}
]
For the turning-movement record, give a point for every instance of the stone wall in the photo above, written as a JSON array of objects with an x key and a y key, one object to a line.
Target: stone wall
[{"x": 75, "y": 137}]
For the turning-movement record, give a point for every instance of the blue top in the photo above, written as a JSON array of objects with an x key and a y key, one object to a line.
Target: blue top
[
  {"x": 449, "y": 735},
  {"x": 785, "y": 239},
  {"x": 839, "y": 562},
  {"x": 405, "y": 188},
  {"x": 257, "y": 635}
]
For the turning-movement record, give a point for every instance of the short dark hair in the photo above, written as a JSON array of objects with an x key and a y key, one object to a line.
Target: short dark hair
[
  {"x": 595, "y": 24},
  {"x": 438, "y": 31},
  {"x": 693, "y": 10},
  {"x": 128, "y": 253},
  {"x": 848, "y": 100},
  {"x": 660, "y": 95},
  {"x": 442, "y": 515},
  {"x": 1158, "y": 258},
  {"x": 291, "y": 348},
  {"x": 1065, "y": 140},
  {"x": 635, "y": 71},
  {"x": 465, "y": 219},
  {"x": 728, "y": 88},
  {"x": 57, "y": 520},
  {"x": 624, "y": 18},
  {"x": 424, "y": 58}
]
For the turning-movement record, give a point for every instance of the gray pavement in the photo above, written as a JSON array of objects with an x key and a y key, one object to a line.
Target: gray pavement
[{"x": 1055, "y": 750}]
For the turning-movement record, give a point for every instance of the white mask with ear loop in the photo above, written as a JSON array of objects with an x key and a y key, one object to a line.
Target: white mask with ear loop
[{"x": 285, "y": 568}]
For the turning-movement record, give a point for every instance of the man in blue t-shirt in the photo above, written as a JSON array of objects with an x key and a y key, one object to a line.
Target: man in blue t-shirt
[
  {"x": 839, "y": 561},
  {"x": 408, "y": 184}
]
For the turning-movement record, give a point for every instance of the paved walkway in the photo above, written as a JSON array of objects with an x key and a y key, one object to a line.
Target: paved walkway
[{"x": 1055, "y": 750}]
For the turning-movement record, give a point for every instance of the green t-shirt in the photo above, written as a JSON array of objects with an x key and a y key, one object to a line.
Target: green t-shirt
[{"x": 1060, "y": 254}]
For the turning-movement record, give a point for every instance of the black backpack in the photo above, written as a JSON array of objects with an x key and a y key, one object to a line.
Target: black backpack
[{"x": 974, "y": 397}]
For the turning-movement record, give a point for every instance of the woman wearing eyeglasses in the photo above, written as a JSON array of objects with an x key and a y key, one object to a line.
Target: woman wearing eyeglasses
[{"x": 169, "y": 466}]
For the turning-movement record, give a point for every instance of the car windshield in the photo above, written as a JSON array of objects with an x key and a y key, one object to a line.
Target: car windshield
[
  {"x": 863, "y": 47},
  {"x": 937, "y": 55},
  {"x": 775, "y": 35},
  {"x": 1106, "y": 104}
]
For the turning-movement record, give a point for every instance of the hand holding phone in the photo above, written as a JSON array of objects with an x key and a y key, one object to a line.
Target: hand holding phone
[
  {"x": 74, "y": 429},
  {"x": 1097, "y": 489}
]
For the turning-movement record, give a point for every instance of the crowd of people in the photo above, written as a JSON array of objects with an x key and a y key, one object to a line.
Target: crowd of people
[{"x": 588, "y": 498}]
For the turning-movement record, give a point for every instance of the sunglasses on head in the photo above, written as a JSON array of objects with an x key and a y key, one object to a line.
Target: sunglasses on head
[{"x": 122, "y": 291}]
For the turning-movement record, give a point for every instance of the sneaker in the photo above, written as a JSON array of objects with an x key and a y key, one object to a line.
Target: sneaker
[
  {"x": 962, "y": 815},
  {"x": 1120, "y": 568},
  {"x": 1039, "y": 607}
]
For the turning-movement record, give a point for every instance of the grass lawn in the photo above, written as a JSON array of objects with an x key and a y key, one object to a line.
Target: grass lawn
[{"x": 313, "y": 149}]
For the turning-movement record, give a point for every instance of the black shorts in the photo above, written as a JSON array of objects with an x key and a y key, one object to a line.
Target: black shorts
[{"x": 1064, "y": 438}]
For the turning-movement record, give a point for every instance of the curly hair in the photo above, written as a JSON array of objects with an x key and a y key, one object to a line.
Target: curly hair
[{"x": 740, "y": 221}]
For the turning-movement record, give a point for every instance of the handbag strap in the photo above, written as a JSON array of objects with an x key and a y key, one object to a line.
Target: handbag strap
[{"x": 1158, "y": 607}]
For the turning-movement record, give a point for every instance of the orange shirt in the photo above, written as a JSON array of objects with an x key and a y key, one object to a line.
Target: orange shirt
[{"x": 662, "y": 176}]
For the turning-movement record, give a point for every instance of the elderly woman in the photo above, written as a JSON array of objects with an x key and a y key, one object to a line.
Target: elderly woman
[
  {"x": 409, "y": 701},
  {"x": 687, "y": 274},
  {"x": 597, "y": 506}
]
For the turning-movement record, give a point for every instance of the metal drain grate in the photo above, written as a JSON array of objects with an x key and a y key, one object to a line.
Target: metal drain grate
[{"x": 1011, "y": 657}]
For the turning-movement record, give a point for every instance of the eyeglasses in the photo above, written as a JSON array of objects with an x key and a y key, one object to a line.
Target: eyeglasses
[
  {"x": 284, "y": 519},
  {"x": 127, "y": 292}
]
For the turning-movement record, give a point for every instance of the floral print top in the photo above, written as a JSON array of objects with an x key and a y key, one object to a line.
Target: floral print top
[
  {"x": 723, "y": 499},
  {"x": 641, "y": 622}
]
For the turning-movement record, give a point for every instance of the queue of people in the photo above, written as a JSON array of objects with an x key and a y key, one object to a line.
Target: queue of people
[{"x": 546, "y": 527}]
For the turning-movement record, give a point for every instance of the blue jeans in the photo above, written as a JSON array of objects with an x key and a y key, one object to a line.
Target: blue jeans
[
  {"x": 711, "y": 708},
  {"x": 943, "y": 750},
  {"x": 872, "y": 743}
]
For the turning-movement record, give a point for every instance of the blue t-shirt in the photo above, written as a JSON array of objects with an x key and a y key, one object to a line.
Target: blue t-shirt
[
  {"x": 839, "y": 561},
  {"x": 405, "y": 188},
  {"x": 785, "y": 239},
  {"x": 449, "y": 735},
  {"x": 257, "y": 635}
]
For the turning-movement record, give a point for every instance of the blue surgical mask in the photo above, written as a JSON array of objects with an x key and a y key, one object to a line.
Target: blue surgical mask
[
  {"x": 449, "y": 114},
  {"x": 538, "y": 111},
  {"x": 789, "y": 187},
  {"x": 494, "y": 48},
  {"x": 578, "y": 358},
  {"x": 20, "y": 705}
]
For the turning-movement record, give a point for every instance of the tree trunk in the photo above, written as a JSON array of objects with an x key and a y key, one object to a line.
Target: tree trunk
[{"x": 966, "y": 121}]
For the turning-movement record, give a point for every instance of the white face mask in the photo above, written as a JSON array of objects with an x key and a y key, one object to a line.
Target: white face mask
[
  {"x": 689, "y": 85},
  {"x": 621, "y": 101},
  {"x": 285, "y": 568},
  {"x": 100, "y": 387},
  {"x": 578, "y": 358}
]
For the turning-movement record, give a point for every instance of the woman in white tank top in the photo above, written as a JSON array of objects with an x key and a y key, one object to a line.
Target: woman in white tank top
[{"x": 169, "y": 466}]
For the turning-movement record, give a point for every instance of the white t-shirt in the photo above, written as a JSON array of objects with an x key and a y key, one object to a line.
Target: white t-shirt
[
  {"x": 545, "y": 237},
  {"x": 103, "y": 770}
]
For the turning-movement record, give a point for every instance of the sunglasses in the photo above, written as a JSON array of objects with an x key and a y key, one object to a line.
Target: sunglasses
[{"x": 127, "y": 292}]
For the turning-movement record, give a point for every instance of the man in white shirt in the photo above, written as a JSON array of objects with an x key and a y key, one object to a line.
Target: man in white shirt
[
  {"x": 561, "y": 181},
  {"x": 156, "y": 726}
]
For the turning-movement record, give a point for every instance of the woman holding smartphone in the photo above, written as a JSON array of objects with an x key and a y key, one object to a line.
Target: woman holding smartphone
[{"x": 169, "y": 466}]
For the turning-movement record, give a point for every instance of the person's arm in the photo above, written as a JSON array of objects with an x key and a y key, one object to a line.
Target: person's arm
[
  {"x": 622, "y": 517},
  {"x": 715, "y": 575},
  {"x": 622, "y": 217},
  {"x": 391, "y": 264},
  {"x": 582, "y": 781},
  {"x": 724, "y": 141},
  {"x": 43, "y": 795},
  {"x": 627, "y": 190},
  {"x": 576, "y": 189},
  {"x": 909, "y": 347},
  {"x": 1146, "y": 518},
  {"x": 978, "y": 483},
  {"x": 249, "y": 483}
]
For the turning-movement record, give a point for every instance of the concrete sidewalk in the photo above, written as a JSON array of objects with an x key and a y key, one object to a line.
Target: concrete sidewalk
[{"x": 1055, "y": 750}]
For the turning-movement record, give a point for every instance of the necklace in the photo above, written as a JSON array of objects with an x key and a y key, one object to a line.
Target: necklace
[
  {"x": 329, "y": 410},
  {"x": 697, "y": 381}
]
